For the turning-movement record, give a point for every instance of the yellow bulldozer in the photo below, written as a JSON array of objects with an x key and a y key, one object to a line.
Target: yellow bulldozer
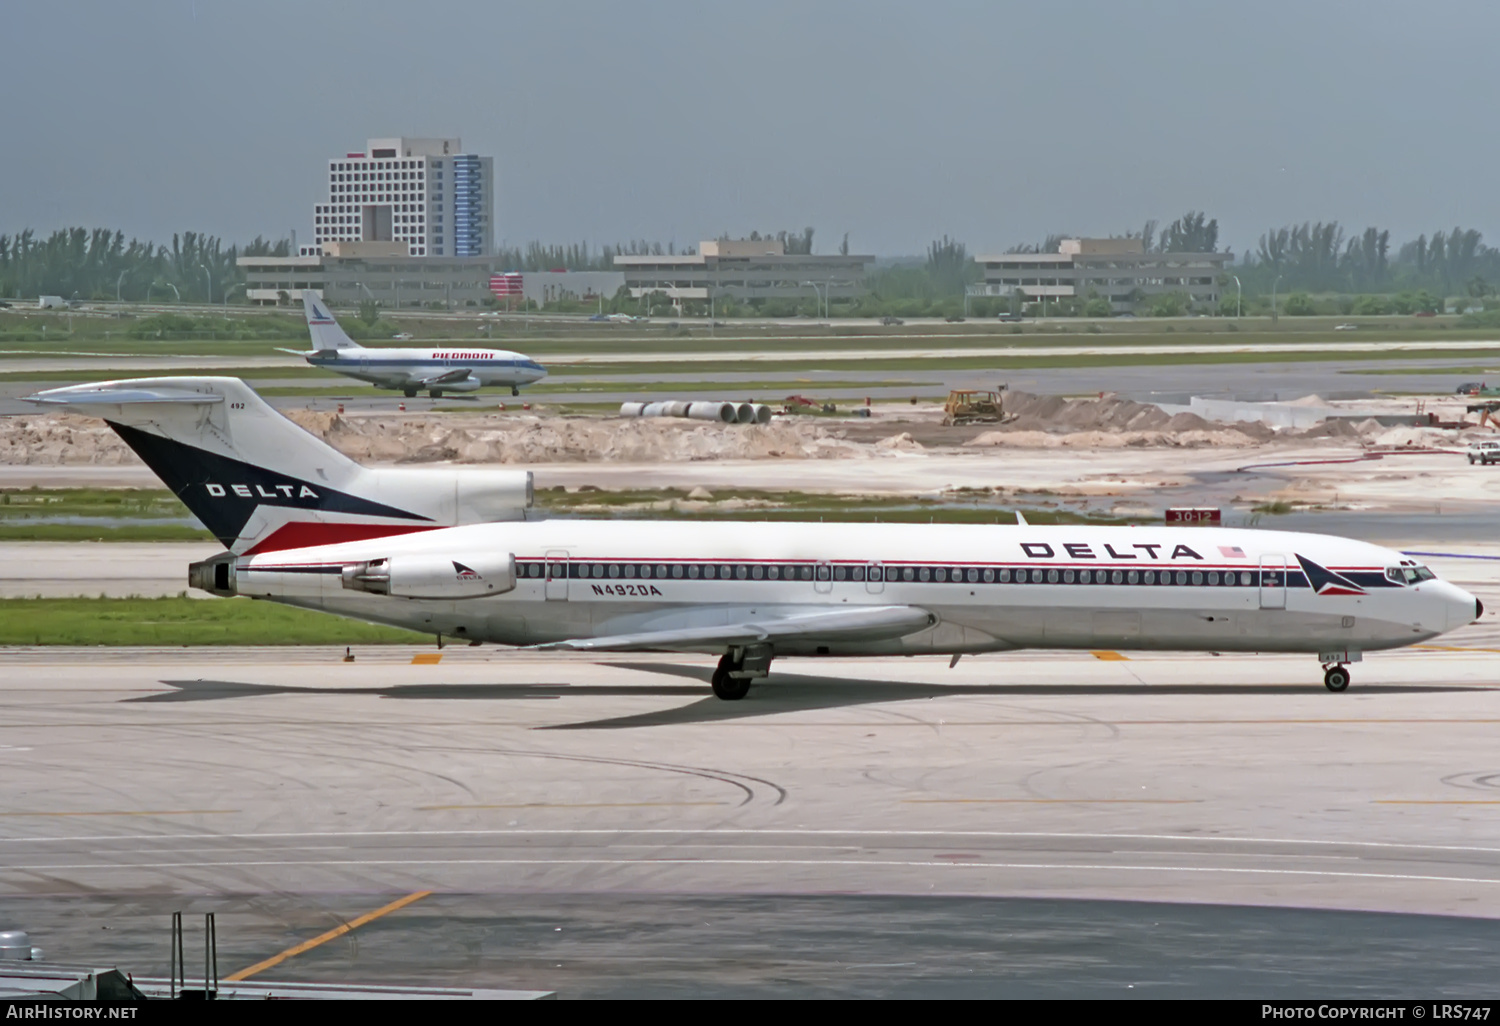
[{"x": 970, "y": 406}]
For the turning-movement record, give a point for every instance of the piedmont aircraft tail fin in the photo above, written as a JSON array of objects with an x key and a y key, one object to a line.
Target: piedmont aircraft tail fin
[
  {"x": 326, "y": 333},
  {"x": 259, "y": 482}
]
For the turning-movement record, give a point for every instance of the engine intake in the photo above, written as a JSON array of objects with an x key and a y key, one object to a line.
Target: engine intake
[{"x": 433, "y": 577}]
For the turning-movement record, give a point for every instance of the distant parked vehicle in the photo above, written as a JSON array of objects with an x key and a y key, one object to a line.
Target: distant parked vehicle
[
  {"x": 1425, "y": 313},
  {"x": 1345, "y": 327},
  {"x": 51, "y": 303},
  {"x": 1469, "y": 388},
  {"x": 405, "y": 336},
  {"x": 1011, "y": 317},
  {"x": 598, "y": 317},
  {"x": 955, "y": 319},
  {"x": 891, "y": 320},
  {"x": 1484, "y": 452}
]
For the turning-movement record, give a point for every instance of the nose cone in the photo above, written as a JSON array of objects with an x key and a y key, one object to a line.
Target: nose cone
[
  {"x": 537, "y": 374},
  {"x": 1463, "y": 608}
]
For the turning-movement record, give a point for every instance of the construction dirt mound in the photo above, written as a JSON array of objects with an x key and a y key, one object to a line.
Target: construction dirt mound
[
  {"x": 56, "y": 439},
  {"x": 539, "y": 439},
  {"x": 1117, "y": 422},
  {"x": 1037, "y": 422},
  {"x": 1193, "y": 439}
]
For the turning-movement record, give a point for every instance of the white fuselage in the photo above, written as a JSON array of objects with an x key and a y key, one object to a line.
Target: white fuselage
[
  {"x": 990, "y": 588},
  {"x": 436, "y": 368}
]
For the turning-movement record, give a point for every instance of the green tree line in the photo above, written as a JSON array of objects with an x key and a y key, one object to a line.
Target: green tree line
[
  {"x": 99, "y": 263},
  {"x": 1320, "y": 257}
]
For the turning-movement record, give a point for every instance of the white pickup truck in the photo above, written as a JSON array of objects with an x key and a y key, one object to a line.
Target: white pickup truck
[{"x": 1486, "y": 451}]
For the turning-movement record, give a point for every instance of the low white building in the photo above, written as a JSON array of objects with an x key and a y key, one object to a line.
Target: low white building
[
  {"x": 745, "y": 269},
  {"x": 1117, "y": 270}
]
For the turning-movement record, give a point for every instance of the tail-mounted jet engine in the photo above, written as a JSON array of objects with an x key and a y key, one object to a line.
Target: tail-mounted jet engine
[{"x": 433, "y": 577}]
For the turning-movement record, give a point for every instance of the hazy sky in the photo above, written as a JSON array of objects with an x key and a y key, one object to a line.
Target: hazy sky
[{"x": 993, "y": 122}]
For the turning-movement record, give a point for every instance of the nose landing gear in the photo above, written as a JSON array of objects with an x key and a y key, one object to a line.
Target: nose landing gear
[
  {"x": 1335, "y": 668},
  {"x": 1335, "y": 678}
]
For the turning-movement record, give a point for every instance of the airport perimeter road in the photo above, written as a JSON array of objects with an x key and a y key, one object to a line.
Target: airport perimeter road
[{"x": 1235, "y": 780}]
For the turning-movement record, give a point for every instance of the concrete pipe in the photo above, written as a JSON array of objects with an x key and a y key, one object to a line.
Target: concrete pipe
[
  {"x": 724, "y": 413},
  {"x": 632, "y": 409},
  {"x": 744, "y": 413},
  {"x": 762, "y": 413},
  {"x": 675, "y": 408},
  {"x": 655, "y": 410}
]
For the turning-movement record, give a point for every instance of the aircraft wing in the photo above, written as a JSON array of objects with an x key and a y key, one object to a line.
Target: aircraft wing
[
  {"x": 850, "y": 623},
  {"x": 459, "y": 374}
]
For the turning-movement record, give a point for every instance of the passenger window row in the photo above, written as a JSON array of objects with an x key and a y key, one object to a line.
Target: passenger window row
[{"x": 915, "y": 574}]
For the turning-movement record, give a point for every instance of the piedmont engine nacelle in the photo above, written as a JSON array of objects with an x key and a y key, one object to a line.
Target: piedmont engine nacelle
[{"x": 433, "y": 577}]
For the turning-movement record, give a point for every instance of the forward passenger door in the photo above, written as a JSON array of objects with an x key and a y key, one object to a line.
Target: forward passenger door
[{"x": 1273, "y": 582}]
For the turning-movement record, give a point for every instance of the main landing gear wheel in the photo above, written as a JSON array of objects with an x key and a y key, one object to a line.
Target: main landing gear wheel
[
  {"x": 1336, "y": 678},
  {"x": 410, "y": 393},
  {"x": 730, "y": 689},
  {"x": 433, "y": 393},
  {"x": 516, "y": 391}
]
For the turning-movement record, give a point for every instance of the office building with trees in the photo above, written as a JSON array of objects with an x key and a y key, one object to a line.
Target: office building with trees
[
  {"x": 1109, "y": 276},
  {"x": 757, "y": 271},
  {"x": 426, "y": 194}
]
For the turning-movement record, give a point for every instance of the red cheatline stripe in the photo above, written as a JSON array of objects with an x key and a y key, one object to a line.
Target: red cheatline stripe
[{"x": 305, "y": 535}]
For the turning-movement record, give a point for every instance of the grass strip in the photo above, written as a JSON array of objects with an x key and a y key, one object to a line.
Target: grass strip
[
  {"x": 114, "y": 373},
  {"x": 1034, "y": 362},
  {"x": 981, "y": 507},
  {"x": 182, "y": 621}
]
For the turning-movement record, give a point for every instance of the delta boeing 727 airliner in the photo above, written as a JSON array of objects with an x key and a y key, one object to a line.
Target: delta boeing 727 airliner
[
  {"x": 305, "y": 526},
  {"x": 434, "y": 371}
]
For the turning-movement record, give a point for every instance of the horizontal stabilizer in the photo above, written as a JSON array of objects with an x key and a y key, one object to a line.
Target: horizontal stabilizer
[
  {"x": 860, "y": 623},
  {"x": 109, "y": 393}
]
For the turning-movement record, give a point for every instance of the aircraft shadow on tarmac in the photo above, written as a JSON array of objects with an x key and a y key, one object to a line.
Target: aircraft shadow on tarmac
[{"x": 778, "y": 693}]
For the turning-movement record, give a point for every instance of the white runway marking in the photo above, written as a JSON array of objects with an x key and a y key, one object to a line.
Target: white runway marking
[
  {"x": 684, "y": 832},
  {"x": 906, "y": 864}
]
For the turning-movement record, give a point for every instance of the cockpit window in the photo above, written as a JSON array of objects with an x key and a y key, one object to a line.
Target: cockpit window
[{"x": 1409, "y": 574}]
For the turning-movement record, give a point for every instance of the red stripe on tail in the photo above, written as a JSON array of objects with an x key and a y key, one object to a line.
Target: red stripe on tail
[{"x": 304, "y": 535}]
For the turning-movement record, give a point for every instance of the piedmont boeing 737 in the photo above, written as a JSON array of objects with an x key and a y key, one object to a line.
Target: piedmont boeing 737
[
  {"x": 305, "y": 526},
  {"x": 434, "y": 371}
]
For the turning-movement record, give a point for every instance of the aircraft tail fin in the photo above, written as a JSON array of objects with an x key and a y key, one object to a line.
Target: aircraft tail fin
[
  {"x": 325, "y": 331},
  {"x": 259, "y": 482}
]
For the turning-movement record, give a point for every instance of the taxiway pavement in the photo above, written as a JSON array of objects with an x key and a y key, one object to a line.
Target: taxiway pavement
[{"x": 1153, "y": 777}]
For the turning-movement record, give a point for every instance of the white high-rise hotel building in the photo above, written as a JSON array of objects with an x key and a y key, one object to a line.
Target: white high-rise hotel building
[{"x": 425, "y": 193}]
